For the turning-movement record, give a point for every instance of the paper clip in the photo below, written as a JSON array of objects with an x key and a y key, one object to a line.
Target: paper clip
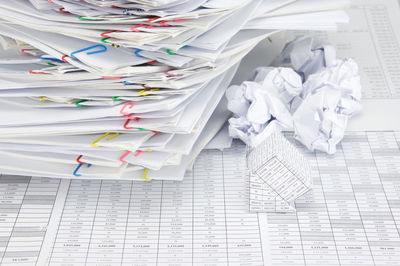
[
  {"x": 123, "y": 156},
  {"x": 169, "y": 52},
  {"x": 128, "y": 115},
  {"x": 78, "y": 103},
  {"x": 146, "y": 87},
  {"x": 127, "y": 83},
  {"x": 142, "y": 92},
  {"x": 144, "y": 175},
  {"x": 137, "y": 53},
  {"x": 89, "y": 48},
  {"x": 141, "y": 151},
  {"x": 138, "y": 153},
  {"x": 34, "y": 72},
  {"x": 127, "y": 122},
  {"x": 178, "y": 19},
  {"x": 63, "y": 58},
  {"x": 172, "y": 75},
  {"x": 79, "y": 158},
  {"x": 135, "y": 28},
  {"x": 75, "y": 173},
  {"x": 43, "y": 98},
  {"x": 104, "y": 34},
  {"x": 82, "y": 18},
  {"x": 115, "y": 98},
  {"x": 151, "y": 19},
  {"x": 162, "y": 23},
  {"x": 62, "y": 10},
  {"x": 106, "y": 77},
  {"x": 103, "y": 136},
  {"x": 152, "y": 62},
  {"x": 51, "y": 59},
  {"x": 24, "y": 51}
]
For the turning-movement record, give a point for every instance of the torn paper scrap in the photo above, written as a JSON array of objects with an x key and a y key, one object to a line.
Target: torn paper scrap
[
  {"x": 330, "y": 97},
  {"x": 261, "y": 106},
  {"x": 278, "y": 174}
]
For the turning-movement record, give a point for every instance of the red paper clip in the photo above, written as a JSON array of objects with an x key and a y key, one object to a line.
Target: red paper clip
[
  {"x": 33, "y": 72},
  {"x": 104, "y": 34},
  {"x": 78, "y": 159},
  {"x": 62, "y": 10}
]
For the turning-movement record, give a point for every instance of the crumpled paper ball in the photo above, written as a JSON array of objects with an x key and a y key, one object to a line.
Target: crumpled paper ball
[
  {"x": 307, "y": 56},
  {"x": 330, "y": 97},
  {"x": 262, "y": 106}
]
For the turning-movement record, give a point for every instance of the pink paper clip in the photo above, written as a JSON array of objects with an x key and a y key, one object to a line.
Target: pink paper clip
[
  {"x": 172, "y": 75},
  {"x": 135, "y": 28},
  {"x": 126, "y": 105},
  {"x": 138, "y": 153},
  {"x": 123, "y": 156},
  {"x": 162, "y": 23}
]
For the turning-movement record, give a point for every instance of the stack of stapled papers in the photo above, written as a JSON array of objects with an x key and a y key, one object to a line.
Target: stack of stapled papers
[{"x": 127, "y": 89}]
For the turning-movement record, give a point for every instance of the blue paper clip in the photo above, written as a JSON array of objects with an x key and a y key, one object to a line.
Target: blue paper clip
[
  {"x": 89, "y": 48},
  {"x": 127, "y": 83},
  {"x": 137, "y": 53},
  {"x": 51, "y": 59},
  {"x": 77, "y": 168}
]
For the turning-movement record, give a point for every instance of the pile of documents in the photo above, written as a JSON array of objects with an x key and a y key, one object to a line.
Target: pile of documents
[{"x": 127, "y": 89}]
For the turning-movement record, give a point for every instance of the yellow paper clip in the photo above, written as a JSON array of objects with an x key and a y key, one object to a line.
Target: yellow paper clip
[
  {"x": 43, "y": 98},
  {"x": 103, "y": 136},
  {"x": 142, "y": 92},
  {"x": 144, "y": 175}
]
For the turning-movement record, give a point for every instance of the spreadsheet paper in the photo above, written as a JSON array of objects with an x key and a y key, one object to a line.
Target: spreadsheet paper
[
  {"x": 352, "y": 215},
  {"x": 372, "y": 39}
]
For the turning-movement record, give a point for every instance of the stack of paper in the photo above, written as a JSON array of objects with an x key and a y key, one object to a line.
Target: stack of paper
[{"x": 127, "y": 89}]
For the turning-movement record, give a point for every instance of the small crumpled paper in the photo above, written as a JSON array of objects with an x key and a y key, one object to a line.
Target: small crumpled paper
[
  {"x": 262, "y": 106},
  {"x": 307, "y": 56},
  {"x": 317, "y": 110}
]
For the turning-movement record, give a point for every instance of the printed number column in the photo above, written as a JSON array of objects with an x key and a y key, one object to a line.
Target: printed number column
[
  {"x": 175, "y": 244},
  {"x": 346, "y": 223},
  {"x": 107, "y": 240},
  {"x": 313, "y": 219},
  {"x": 141, "y": 240},
  {"x": 367, "y": 191},
  {"x": 209, "y": 240},
  {"x": 244, "y": 245},
  {"x": 12, "y": 191},
  {"x": 30, "y": 226},
  {"x": 383, "y": 231},
  {"x": 74, "y": 231}
]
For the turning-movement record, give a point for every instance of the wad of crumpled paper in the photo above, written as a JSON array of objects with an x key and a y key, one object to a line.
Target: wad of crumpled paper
[{"x": 315, "y": 96}]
